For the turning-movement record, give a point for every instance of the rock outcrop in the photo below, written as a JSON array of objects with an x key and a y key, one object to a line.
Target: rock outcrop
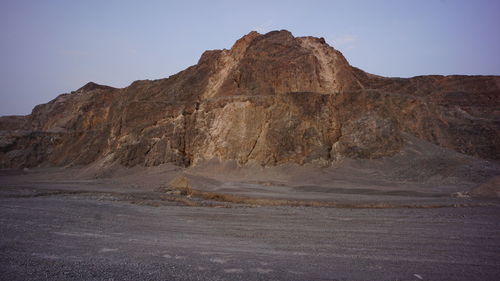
[{"x": 270, "y": 99}]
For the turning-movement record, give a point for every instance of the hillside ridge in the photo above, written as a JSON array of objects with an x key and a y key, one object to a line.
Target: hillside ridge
[{"x": 270, "y": 99}]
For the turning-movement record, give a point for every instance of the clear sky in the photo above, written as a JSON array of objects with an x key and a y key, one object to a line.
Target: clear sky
[{"x": 51, "y": 47}]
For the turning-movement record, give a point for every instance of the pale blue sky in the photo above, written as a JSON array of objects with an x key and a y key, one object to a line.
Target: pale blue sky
[{"x": 50, "y": 47}]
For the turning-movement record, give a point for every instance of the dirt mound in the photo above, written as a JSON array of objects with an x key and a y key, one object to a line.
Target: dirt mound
[
  {"x": 488, "y": 189},
  {"x": 182, "y": 184}
]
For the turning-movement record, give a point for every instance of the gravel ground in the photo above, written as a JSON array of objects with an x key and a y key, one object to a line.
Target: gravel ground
[{"x": 85, "y": 236}]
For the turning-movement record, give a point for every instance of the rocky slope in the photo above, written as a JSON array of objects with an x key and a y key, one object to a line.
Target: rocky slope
[{"x": 270, "y": 99}]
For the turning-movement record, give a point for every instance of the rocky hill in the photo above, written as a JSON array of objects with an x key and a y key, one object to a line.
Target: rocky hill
[{"x": 270, "y": 99}]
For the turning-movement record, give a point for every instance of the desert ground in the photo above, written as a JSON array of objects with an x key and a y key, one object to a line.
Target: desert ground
[{"x": 354, "y": 221}]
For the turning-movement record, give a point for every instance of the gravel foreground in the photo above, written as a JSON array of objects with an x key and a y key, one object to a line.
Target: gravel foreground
[{"x": 92, "y": 237}]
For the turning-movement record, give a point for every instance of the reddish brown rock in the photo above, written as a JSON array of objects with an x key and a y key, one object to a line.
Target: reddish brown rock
[{"x": 270, "y": 99}]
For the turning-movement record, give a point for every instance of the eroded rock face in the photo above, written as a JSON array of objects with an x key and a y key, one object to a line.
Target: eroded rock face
[
  {"x": 367, "y": 136},
  {"x": 270, "y": 99}
]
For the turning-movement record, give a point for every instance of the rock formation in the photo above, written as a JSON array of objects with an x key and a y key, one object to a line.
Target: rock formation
[{"x": 270, "y": 99}]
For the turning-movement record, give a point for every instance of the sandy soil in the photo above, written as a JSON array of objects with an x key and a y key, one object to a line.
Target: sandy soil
[{"x": 89, "y": 236}]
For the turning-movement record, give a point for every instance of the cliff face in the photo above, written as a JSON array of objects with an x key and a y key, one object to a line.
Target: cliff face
[{"x": 270, "y": 99}]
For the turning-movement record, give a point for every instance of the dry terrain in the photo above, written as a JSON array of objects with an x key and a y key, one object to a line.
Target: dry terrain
[
  {"x": 85, "y": 223},
  {"x": 272, "y": 160}
]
